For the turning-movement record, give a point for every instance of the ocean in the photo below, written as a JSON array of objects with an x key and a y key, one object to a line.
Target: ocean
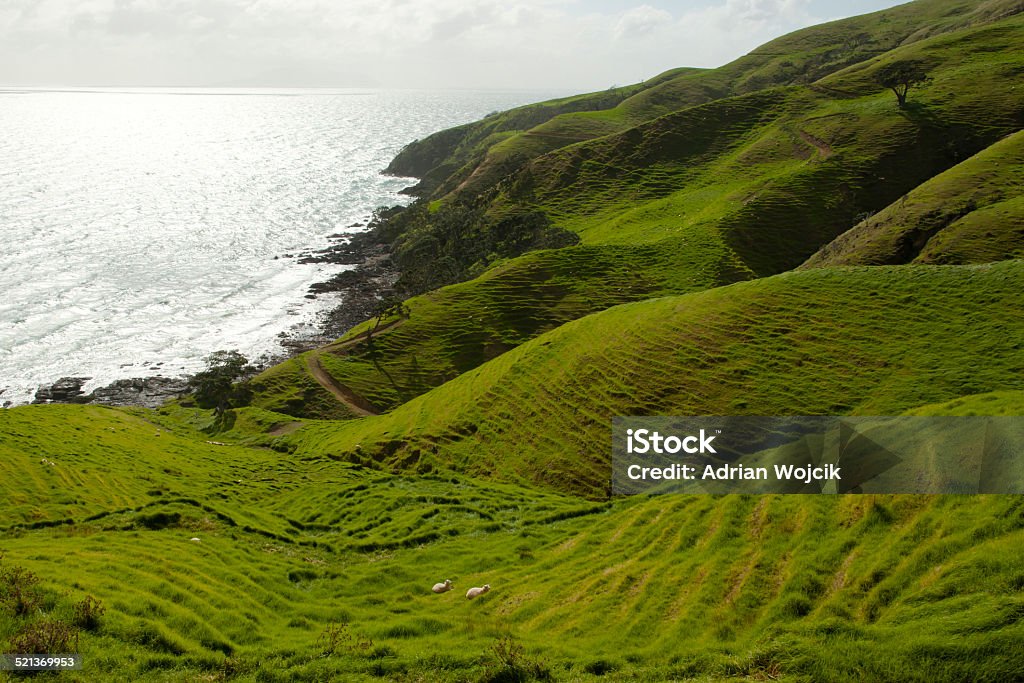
[{"x": 142, "y": 229}]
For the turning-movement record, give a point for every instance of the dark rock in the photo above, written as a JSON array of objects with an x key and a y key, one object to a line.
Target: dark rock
[
  {"x": 148, "y": 392},
  {"x": 64, "y": 390}
]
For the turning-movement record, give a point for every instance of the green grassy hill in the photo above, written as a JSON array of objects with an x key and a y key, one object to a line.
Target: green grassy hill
[
  {"x": 730, "y": 190},
  {"x": 456, "y": 328},
  {"x": 972, "y": 213},
  {"x": 867, "y": 341},
  {"x": 473, "y": 157}
]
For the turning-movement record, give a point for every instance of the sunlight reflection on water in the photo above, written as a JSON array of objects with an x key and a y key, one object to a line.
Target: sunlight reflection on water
[{"x": 149, "y": 226}]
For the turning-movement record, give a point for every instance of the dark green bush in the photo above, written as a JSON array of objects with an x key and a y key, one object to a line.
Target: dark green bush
[
  {"x": 45, "y": 637},
  {"x": 87, "y": 613},
  {"x": 19, "y": 589}
]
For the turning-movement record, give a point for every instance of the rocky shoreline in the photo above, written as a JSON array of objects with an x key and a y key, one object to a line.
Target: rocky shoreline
[{"x": 360, "y": 289}]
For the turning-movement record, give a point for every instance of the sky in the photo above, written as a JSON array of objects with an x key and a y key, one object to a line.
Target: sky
[{"x": 572, "y": 45}]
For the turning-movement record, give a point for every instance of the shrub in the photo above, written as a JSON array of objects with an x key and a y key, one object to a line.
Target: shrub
[
  {"x": 600, "y": 667},
  {"x": 215, "y": 386},
  {"x": 338, "y": 639},
  {"x": 158, "y": 520},
  {"x": 45, "y": 637},
  {"x": 87, "y": 613},
  {"x": 510, "y": 664},
  {"x": 300, "y": 575},
  {"x": 382, "y": 652},
  {"x": 19, "y": 589}
]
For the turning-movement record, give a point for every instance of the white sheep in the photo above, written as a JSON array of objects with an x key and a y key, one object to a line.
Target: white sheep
[
  {"x": 443, "y": 587},
  {"x": 477, "y": 592}
]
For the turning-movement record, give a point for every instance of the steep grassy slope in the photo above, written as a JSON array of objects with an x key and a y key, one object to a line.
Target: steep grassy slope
[
  {"x": 737, "y": 188},
  {"x": 290, "y": 388},
  {"x": 820, "y": 342},
  {"x": 455, "y": 329},
  {"x": 774, "y": 171},
  {"x": 972, "y": 213},
  {"x": 442, "y": 154}
]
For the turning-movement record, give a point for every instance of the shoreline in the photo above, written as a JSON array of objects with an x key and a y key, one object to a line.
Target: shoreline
[{"x": 360, "y": 289}]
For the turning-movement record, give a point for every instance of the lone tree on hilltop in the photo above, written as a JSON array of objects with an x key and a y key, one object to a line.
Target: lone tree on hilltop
[
  {"x": 901, "y": 76},
  {"x": 214, "y": 387}
]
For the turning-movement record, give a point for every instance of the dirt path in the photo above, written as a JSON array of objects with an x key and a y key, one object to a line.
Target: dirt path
[
  {"x": 357, "y": 404},
  {"x": 286, "y": 428},
  {"x": 334, "y": 347},
  {"x": 833, "y": 92},
  {"x": 819, "y": 144}
]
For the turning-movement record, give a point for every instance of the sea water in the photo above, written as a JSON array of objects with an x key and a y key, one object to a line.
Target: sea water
[{"x": 142, "y": 229}]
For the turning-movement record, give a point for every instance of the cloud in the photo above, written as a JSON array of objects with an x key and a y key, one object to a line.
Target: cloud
[
  {"x": 748, "y": 14},
  {"x": 729, "y": 29},
  {"x": 641, "y": 21},
  {"x": 569, "y": 44},
  {"x": 153, "y": 19}
]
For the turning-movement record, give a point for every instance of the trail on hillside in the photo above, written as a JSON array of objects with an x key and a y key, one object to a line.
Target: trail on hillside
[
  {"x": 823, "y": 147},
  {"x": 348, "y": 343},
  {"x": 357, "y": 404}
]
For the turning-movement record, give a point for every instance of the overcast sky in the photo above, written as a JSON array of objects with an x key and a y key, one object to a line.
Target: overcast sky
[{"x": 560, "y": 44}]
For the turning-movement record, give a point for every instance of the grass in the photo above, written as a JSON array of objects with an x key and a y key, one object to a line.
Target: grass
[
  {"x": 457, "y": 328},
  {"x": 969, "y": 214},
  {"x": 868, "y": 341},
  {"x": 799, "y": 588},
  {"x": 289, "y": 388},
  {"x": 309, "y": 527},
  {"x": 989, "y": 403},
  {"x": 777, "y": 170}
]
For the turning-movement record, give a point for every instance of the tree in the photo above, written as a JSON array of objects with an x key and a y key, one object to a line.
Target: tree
[
  {"x": 901, "y": 76},
  {"x": 214, "y": 387},
  {"x": 387, "y": 307}
]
